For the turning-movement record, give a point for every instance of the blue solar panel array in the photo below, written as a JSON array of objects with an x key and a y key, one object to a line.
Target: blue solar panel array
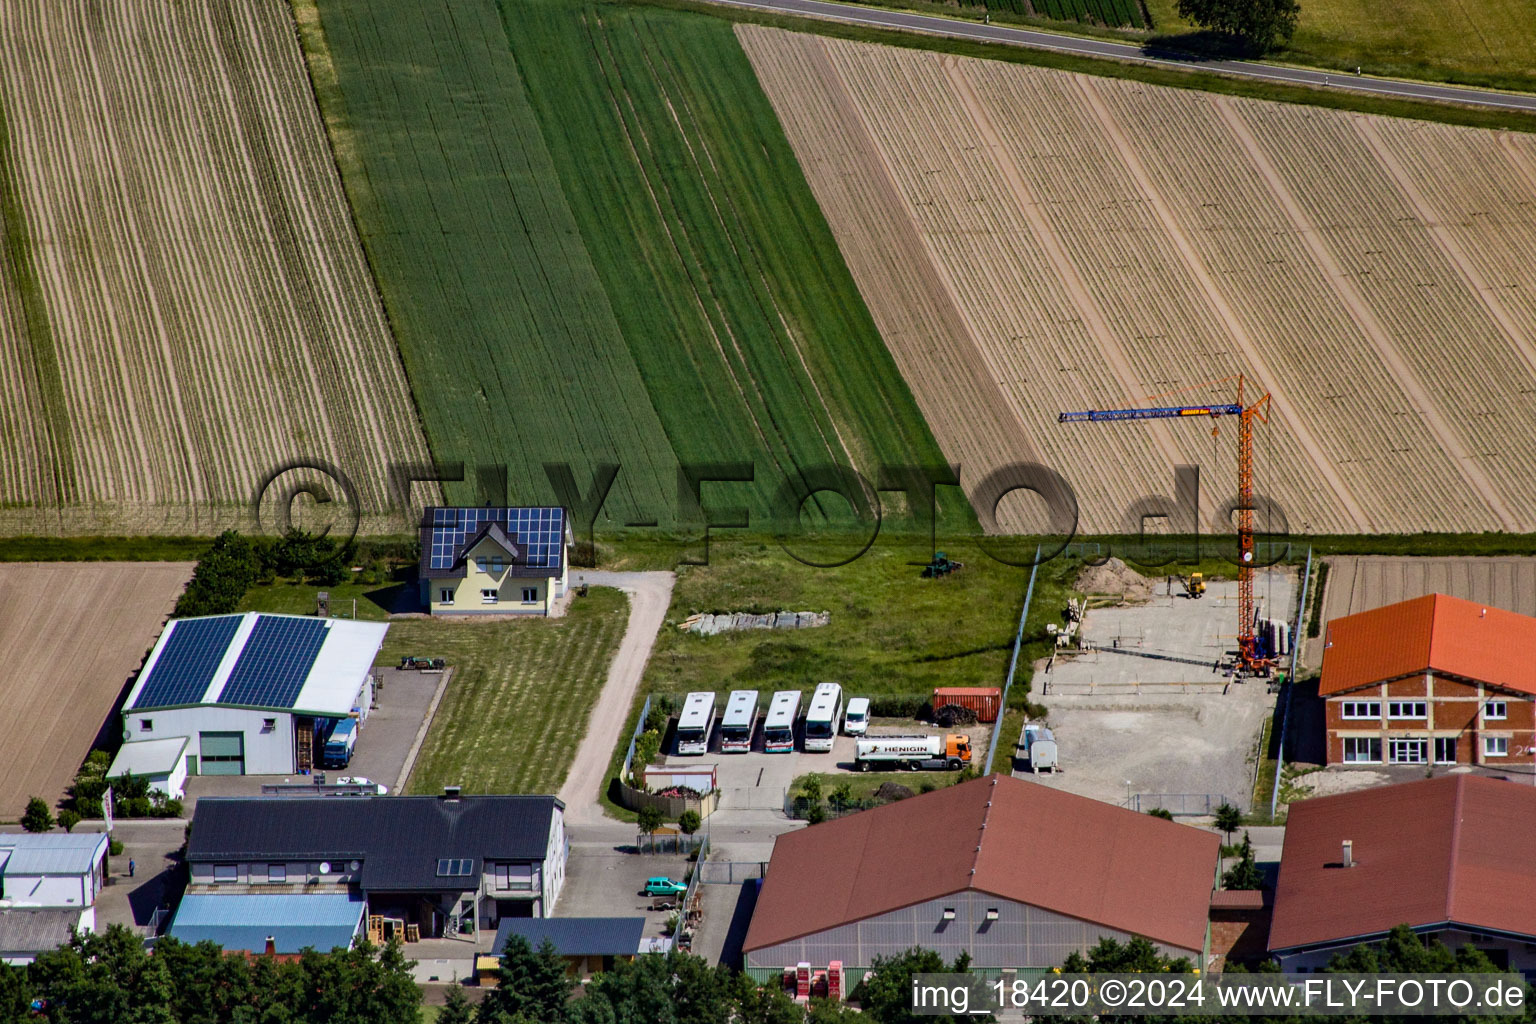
[
  {"x": 539, "y": 532},
  {"x": 187, "y": 662},
  {"x": 276, "y": 660}
]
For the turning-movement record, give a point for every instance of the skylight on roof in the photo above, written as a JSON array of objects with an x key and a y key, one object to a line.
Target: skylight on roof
[{"x": 455, "y": 867}]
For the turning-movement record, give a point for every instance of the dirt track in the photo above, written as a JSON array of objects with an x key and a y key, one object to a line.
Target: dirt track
[
  {"x": 1033, "y": 241},
  {"x": 650, "y": 594},
  {"x": 71, "y": 637}
]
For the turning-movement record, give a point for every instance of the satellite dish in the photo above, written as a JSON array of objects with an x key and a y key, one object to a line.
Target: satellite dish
[
  {"x": 127, "y": 735},
  {"x": 325, "y": 867},
  {"x": 355, "y": 866}
]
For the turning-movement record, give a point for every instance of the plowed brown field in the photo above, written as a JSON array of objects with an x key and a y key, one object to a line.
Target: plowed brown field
[
  {"x": 184, "y": 304},
  {"x": 71, "y": 636},
  {"x": 1034, "y": 241}
]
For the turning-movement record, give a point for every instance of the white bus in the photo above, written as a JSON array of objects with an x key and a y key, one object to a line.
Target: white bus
[
  {"x": 739, "y": 722},
  {"x": 779, "y": 726},
  {"x": 825, "y": 713},
  {"x": 695, "y": 723}
]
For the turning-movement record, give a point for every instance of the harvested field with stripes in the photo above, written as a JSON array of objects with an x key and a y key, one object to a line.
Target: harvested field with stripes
[
  {"x": 1032, "y": 241},
  {"x": 57, "y": 691},
  {"x": 184, "y": 304}
]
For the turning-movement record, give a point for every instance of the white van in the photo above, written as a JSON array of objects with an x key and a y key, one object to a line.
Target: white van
[{"x": 856, "y": 718}]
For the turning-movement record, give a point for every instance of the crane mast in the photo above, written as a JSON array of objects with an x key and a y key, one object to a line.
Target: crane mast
[{"x": 1249, "y": 655}]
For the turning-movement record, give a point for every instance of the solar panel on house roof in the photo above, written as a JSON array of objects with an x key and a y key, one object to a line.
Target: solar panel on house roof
[
  {"x": 540, "y": 532},
  {"x": 187, "y": 662},
  {"x": 276, "y": 660}
]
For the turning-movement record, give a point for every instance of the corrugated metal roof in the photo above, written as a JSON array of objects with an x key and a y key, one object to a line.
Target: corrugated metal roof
[
  {"x": 53, "y": 853},
  {"x": 1446, "y": 634},
  {"x": 283, "y": 662},
  {"x": 236, "y": 921},
  {"x": 35, "y": 931},
  {"x": 148, "y": 757},
  {"x": 1004, "y": 836},
  {"x": 1459, "y": 848},
  {"x": 576, "y": 936}
]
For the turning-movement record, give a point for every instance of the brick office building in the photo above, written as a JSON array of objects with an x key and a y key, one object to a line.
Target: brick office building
[{"x": 1434, "y": 680}]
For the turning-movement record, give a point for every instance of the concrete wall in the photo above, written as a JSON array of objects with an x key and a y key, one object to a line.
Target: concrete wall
[
  {"x": 1023, "y": 936},
  {"x": 267, "y": 751},
  {"x": 1456, "y": 710},
  {"x": 51, "y": 890}
]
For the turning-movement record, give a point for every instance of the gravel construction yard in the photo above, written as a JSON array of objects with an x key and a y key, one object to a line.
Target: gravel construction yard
[
  {"x": 58, "y": 691},
  {"x": 1158, "y": 743}
]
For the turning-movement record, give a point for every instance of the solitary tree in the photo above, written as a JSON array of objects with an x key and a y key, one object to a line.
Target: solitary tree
[
  {"x": 38, "y": 817},
  {"x": 689, "y": 821},
  {"x": 811, "y": 788},
  {"x": 650, "y": 819},
  {"x": 68, "y": 819},
  {"x": 842, "y": 796},
  {"x": 456, "y": 1009},
  {"x": 1245, "y": 874},
  {"x": 1258, "y": 25},
  {"x": 1228, "y": 819}
]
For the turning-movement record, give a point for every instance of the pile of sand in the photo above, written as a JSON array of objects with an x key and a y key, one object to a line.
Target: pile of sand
[{"x": 1114, "y": 578}]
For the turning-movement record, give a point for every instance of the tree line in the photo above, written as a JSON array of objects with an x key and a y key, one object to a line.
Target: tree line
[{"x": 112, "y": 979}]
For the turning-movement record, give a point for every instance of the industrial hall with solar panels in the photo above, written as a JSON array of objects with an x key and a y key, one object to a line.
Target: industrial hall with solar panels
[{"x": 250, "y": 694}]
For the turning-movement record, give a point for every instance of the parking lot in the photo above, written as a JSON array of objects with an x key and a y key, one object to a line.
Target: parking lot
[
  {"x": 383, "y": 744},
  {"x": 759, "y": 780},
  {"x": 602, "y": 881}
]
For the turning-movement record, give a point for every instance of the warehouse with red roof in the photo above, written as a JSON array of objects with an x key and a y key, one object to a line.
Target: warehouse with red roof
[
  {"x": 1453, "y": 857},
  {"x": 1016, "y": 874},
  {"x": 1434, "y": 680}
]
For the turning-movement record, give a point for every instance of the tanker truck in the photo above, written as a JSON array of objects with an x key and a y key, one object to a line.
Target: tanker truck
[{"x": 913, "y": 753}]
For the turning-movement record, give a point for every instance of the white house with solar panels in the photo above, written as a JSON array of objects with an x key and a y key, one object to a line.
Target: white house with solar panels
[
  {"x": 498, "y": 561},
  {"x": 251, "y": 694}
]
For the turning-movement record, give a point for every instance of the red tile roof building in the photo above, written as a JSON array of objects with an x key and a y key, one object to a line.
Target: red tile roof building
[
  {"x": 1434, "y": 680},
  {"x": 1013, "y": 872},
  {"x": 1454, "y": 856}
]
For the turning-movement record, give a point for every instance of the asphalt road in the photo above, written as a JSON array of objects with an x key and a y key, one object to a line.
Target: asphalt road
[{"x": 955, "y": 28}]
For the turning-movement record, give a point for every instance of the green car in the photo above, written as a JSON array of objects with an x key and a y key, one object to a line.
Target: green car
[{"x": 661, "y": 885}]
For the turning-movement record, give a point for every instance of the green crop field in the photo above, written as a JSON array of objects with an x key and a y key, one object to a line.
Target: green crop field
[
  {"x": 596, "y": 245},
  {"x": 1491, "y": 42},
  {"x": 517, "y": 704}
]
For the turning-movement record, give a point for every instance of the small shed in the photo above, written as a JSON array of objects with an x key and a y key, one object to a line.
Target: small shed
[
  {"x": 588, "y": 944},
  {"x": 163, "y": 762},
  {"x": 701, "y": 778}
]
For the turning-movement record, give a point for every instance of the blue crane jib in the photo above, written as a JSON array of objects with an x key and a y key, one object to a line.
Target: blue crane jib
[{"x": 1099, "y": 415}]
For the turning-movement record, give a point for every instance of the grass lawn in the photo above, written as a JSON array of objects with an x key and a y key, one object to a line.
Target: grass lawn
[
  {"x": 521, "y": 693},
  {"x": 374, "y": 601},
  {"x": 862, "y": 785},
  {"x": 891, "y": 632},
  {"x": 1489, "y": 42}
]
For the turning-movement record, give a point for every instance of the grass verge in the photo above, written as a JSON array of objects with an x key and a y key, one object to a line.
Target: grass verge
[
  {"x": 1264, "y": 776},
  {"x": 520, "y": 697}
]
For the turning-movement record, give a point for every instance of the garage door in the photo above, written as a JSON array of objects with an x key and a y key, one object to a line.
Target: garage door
[{"x": 222, "y": 753}]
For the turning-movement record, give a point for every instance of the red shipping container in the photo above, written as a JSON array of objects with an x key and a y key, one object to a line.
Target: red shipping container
[{"x": 984, "y": 700}]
